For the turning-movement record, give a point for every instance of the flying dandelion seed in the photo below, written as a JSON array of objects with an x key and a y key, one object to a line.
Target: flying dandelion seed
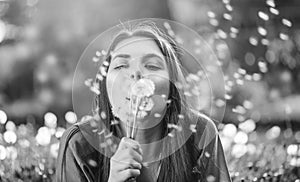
[
  {"x": 92, "y": 163},
  {"x": 220, "y": 103},
  {"x": 247, "y": 104},
  {"x": 103, "y": 71},
  {"x": 230, "y": 83},
  {"x": 239, "y": 109},
  {"x": 99, "y": 77},
  {"x": 253, "y": 41},
  {"x": 263, "y": 16},
  {"x": 284, "y": 36},
  {"x": 227, "y": 16},
  {"x": 88, "y": 82},
  {"x": 270, "y": 3},
  {"x": 171, "y": 135},
  {"x": 265, "y": 42},
  {"x": 105, "y": 63},
  {"x": 214, "y": 22},
  {"x": 180, "y": 116},
  {"x": 103, "y": 52},
  {"x": 262, "y": 66},
  {"x": 157, "y": 115},
  {"x": 226, "y": 1},
  {"x": 188, "y": 94},
  {"x": 98, "y": 53},
  {"x": 114, "y": 122},
  {"x": 236, "y": 75},
  {"x": 227, "y": 97},
  {"x": 221, "y": 34},
  {"x": 256, "y": 77},
  {"x": 241, "y": 71},
  {"x": 229, "y": 7},
  {"x": 286, "y": 22},
  {"x": 234, "y": 30},
  {"x": 167, "y": 25},
  {"x": 232, "y": 35},
  {"x": 95, "y": 89},
  {"x": 228, "y": 88},
  {"x": 96, "y": 59},
  {"x": 274, "y": 11},
  {"x": 103, "y": 115},
  {"x": 262, "y": 31},
  {"x": 211, "y": 14},
  {"x": 207, "y": 154},
  {"x": 210, "y": 178},
  {"x": 193, "y": 128},
  {"x": 240, "y": 82},
  {"x": 171, "y": 33}
]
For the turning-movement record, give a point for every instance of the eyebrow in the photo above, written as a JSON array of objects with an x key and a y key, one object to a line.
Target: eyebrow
[
  {"x": 144, "y": 57},
  {"x": 122, "y": 56}
]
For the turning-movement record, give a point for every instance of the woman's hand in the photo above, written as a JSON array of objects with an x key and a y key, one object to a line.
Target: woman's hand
[{"x": 126, "y": 163}]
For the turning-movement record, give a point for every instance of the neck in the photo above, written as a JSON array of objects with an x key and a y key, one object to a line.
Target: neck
[
  {"x": 149, "y": 135},
  {"x": 147, "y": 138}
]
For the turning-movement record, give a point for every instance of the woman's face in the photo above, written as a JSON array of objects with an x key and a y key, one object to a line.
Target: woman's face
[{"x": 132, "y": 59}]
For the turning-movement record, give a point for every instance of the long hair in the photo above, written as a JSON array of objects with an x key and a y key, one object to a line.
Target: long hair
[{"x": 177, "y": 166}]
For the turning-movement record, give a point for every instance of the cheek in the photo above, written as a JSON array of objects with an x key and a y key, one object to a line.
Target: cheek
[
  {"x": 115, "y": 86},
  {"x": 162, "y": 84}
]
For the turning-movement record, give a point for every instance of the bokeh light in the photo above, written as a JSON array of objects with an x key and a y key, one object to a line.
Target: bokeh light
[
  {"x": 71, "y": 117},
  {"x": 2, "y": 30},
  {"x": 3, "y": 117},
  {"x": 43, "y": 136},
  {"x": 10, "y": 137},
  {"x": 10, "y": 126},
  {"x": 2, "y": 152},
  {"x": 229, "y": 130},
  {"x": 241, "y": 138},
  {"x": 50, "y": 120}
]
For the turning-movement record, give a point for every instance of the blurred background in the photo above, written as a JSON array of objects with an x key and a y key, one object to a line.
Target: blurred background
[{"x": 257, "y": 43}]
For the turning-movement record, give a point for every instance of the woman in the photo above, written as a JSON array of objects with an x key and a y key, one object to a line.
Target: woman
[{"x": 169, "y": 142}]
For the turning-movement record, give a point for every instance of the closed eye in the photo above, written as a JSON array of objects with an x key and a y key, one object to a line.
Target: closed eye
[
  {"x": 152, "y": 67},
  {"x": 118, "y": 67}
]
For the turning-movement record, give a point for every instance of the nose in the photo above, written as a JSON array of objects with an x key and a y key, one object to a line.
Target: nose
[{"x": 136, "y": 75}]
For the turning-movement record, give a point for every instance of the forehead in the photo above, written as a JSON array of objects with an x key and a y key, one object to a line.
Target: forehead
[{"x": 136, "y": 46}]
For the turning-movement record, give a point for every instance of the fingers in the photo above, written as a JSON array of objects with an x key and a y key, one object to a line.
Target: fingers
[
  {"x": 128, "y": 158},
  {"x": 127, "y": 161},
  {"x": 129, "y": 173},
  {"x": 129, "y": 143}
]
